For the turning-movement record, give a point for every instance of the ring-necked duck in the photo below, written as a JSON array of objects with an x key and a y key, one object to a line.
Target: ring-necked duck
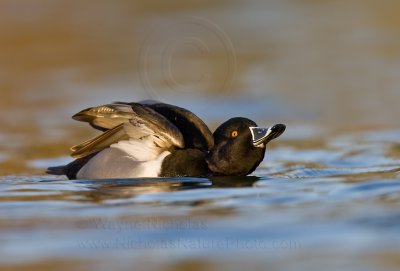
[{"x": 152, "y": 139}]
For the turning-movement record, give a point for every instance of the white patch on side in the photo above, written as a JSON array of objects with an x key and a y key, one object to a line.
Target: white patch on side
[
  {"x": 139, "y": 149},
  {"x": 114, "y": 163}
]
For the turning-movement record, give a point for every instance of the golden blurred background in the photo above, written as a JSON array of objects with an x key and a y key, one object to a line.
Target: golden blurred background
[{"x": 327, "y": 63}]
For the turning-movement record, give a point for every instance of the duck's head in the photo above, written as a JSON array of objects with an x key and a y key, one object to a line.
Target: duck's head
[{"x": 240, "y": 146}]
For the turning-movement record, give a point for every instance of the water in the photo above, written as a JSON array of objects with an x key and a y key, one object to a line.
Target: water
[
  {"x": 302, "y": 208},
  {"x": 327, "y": 195}
]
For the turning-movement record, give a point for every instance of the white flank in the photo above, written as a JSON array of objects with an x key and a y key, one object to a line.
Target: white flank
[
  {"x": 139, "y": 149},
  {"x": 125, "y": 159}
]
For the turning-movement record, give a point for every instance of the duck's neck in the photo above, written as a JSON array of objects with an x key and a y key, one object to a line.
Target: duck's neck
[{"x": 223, "y": 162}]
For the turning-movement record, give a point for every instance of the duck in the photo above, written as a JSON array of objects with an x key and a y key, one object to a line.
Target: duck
[{"x": 156, "y": 139}]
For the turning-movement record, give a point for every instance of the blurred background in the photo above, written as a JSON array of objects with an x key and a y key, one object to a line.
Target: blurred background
[{"x": 327, "y": 63}]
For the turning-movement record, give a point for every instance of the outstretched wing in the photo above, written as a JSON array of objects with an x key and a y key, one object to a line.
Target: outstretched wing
[
  {"x": 122, "y": 121},
  {"x": 195, "y": 132}
]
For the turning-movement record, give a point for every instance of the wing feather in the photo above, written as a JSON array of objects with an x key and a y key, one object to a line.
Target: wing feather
[
  {"x": 105, "y": 117},
  {"x": 100, "y": 142},
  {"x": 195, "y": 132},
  {"x": 121, "y": 121}
]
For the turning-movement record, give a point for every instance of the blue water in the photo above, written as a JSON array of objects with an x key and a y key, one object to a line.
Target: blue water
[{"x": 302, "y": 208}]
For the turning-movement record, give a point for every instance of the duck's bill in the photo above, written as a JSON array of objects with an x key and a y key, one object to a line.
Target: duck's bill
[{"x": 261, "y": 136}]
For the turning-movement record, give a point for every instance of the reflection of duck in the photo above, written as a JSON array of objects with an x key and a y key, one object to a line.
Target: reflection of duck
[
  {"x": 152, "y": 139},
  {"x": 100, "y": 190}
]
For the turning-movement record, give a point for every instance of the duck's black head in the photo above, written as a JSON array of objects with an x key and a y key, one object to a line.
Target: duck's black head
[{"x": 240, "y": 146}]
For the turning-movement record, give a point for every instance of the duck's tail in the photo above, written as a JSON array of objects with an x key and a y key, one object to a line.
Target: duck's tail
[
  {"x": 60, "y": 170},
  {"x": 72, "y": 169}
]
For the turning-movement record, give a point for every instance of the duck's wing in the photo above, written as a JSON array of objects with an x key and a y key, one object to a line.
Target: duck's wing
[
  {"x": 124, "y": 122},
  {"x": 195, "y": 132},
  {"x": 105, "y": 117}
]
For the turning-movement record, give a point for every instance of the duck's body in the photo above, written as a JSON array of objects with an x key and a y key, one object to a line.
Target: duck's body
[{"x": 162, "y": 140}]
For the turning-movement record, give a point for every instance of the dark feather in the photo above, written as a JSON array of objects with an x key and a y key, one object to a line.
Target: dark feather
[{"x": 195, "y": 132}]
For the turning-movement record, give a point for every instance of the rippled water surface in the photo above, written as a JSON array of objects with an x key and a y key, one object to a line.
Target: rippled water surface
[
  {"x": 326, "y": 197},
  {"x": 305, "y": 207}
]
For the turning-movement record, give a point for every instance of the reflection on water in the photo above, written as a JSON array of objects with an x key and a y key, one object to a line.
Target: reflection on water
[
  {"x": 336, "y": 202},
  {"x": 327, "y": 195}
]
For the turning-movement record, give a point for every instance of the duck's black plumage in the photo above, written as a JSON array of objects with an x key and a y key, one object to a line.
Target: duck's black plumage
[
  {"x": 187, "y": 162},
  {"x": 153, "y": 139},
  {"x": 235, "y": 155},
  {"x": 195, "y": 132}
]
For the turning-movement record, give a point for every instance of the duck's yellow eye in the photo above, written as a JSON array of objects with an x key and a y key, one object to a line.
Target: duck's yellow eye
[{"x": 234, "y": 134}]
